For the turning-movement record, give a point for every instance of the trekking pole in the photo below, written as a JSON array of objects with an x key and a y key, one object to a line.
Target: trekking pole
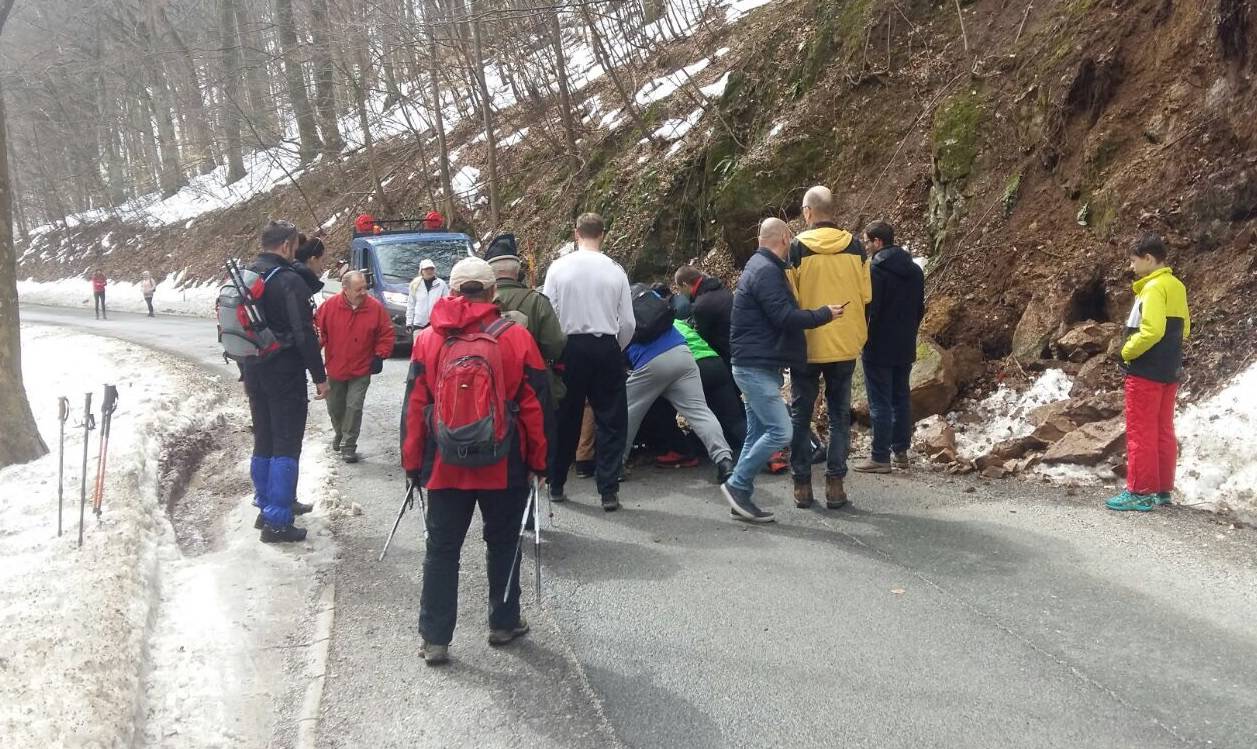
[
  {"x": 89, "y": 423},
  {"x": 536, "y": 535},
  {"x": 63, "y": 413},
  {"x": 106, "y": 419},
  {"x": 519, "y": 546},
  {"x": 408, "y": 503}
]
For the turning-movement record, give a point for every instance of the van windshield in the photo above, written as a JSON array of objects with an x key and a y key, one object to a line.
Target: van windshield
[{"x": 399, "y": 261}]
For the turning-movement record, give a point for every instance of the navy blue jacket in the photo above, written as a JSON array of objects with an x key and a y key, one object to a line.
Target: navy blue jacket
[
  {"x": 767, "y": 325},
  {"x": 896, "y": 310}
]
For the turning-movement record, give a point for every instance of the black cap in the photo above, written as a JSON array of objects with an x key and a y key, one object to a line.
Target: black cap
[{"x": 502, "y": 247}]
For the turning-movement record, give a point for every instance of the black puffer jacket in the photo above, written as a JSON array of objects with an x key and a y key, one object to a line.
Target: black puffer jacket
[
  {"x": 712, "y": 312},
  {"x": 767, "y": 324},
  {"x": 308, "y": 276},
  {"x": 286, "y": 306},
  {"x": 896, "y": 310}
]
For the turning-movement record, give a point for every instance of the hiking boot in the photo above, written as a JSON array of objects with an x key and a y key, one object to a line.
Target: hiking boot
[
  {"x": 835, "y": 495},
  {"x": 724, "y": 469},
  {"x": 902, "y": 461},
  {"x": 557, "y": 495},
  {"x": 1128, "y": 500},
  {"x": 584, "y": 469},
  {"x": 871, "y": 466},
  {"x": 610, "y": 502},
  {"x": 280, "y": 535},
  {"x": 1164, "y": 498},
  {"x": 434, "y": 655},
  {"x": 500, "y": 637},
  {"x": 742, "y": 505},
  {"x": 301, "y": 508},
  {"x": 336, "y": 444},
  {"x": 258, "y": 522},
  {"x": 803, "y": 493},
  {"x": 350, "y": 456}
]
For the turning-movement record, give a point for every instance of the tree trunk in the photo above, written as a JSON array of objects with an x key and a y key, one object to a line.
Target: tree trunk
[
  {"x": 364, "y": 121},
  {"x": 19, "y": 438},
  {"x": 438, "y": 118},
  {"x": 325, "y": 80},
  {"x": 261, "y": 110},
  {"x": 600, "y": 53},
  {"x": 565, "y": 97},
  {"x": 486, "y": 111},
  {"x": 295, "y": 78},
  {"x": 229, "y": 40},
  {"x": 160, "y": 105},
  {"x": 202, "y": 149}
]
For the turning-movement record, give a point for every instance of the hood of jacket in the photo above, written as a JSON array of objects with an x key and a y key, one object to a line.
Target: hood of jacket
[
  {"x": 453, "y": 313},
  {"x": 826, "y": 239},
  {"x": 308, "y": 276},
  {"x": 894, "y": 259},
  {"x": 706, "y": 284}
]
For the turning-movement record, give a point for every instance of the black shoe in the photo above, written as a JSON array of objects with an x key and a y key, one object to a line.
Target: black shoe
[
  {"x": 258, "y": 522},
  {"x": 301, "y": 508},
  {"x": 500, "y": 637},
  {"x": 557, "y": 496},
  {"x": 584, "y": 470},
  {"x": 350, "y": 456},
  {"x": 741, "y": 503},
  {"x": 286, "y": 534},
  {"x": 610, "y": 502},
  {"x": 434, "y": 655},
  {"x": 724, "y": 469}
]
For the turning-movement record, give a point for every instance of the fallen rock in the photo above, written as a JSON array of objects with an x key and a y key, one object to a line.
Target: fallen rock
[
  {"x": 933, "y": 383},
  {"x": 989, "y": 461},
  {"x": 938, "y": 438},
  {"x": 994, "y": 472},
  {"x": 1098, "y": 374},
  {"x": 1017, "y": 447},
  {"x": 1086, "y": 340},
  {"x": 1080, "y": 411},
  {"x": 970, "y": 364},
  {"x": 1089, "y": 444},
  {"x": 1054, "y": 429},
  {"x": 1038, "y": 324}
]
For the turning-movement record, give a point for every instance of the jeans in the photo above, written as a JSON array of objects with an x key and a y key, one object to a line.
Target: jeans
[
  {"x": 767, "y": 422},
  {"x": 673, "y": 375},
  {"x": 449, "y": 517},
  {"x": 344, "y": 406},
  {"x": 98, "y": 299},
  {"x": 805, "y": 384},
  {"x": 149, "y": 301},
  {"x": 890, "y": 408},
  {"x": 593, "y": 369}
]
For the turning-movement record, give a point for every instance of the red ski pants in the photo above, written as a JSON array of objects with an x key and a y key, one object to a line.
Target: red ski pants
[{"x": 1151, "y": 450}]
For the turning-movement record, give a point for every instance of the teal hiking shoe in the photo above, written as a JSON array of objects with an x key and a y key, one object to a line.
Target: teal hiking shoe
[
  {"x": 1164, "y": 498},
  {"x": 1129, "y": 501}
]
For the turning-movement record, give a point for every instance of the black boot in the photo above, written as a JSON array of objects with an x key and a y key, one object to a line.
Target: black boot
[
  {"x": 301, "y": 508},
  {"x": 278, "y": 535}
]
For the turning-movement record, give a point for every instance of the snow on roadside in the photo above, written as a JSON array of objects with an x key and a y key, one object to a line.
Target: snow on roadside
[
  {"x": 1003, "y": 415},
  {"x": 1218, "y": 459},
  {"x": 196, "y": 300}
]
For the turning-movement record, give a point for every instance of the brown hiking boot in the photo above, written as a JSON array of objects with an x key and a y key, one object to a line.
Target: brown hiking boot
[
  {"x": 835, "y": 495},
  {"x": 803, "y": 492}
]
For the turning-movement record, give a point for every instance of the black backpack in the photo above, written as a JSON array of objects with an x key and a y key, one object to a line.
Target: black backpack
[{"x": 653, "y": 314}]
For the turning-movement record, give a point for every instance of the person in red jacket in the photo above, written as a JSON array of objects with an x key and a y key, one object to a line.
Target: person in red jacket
[
  {"x": 98, "y": 293},
  {"x": 508, "y": 365},
  {"x": 357, "y": 337}
]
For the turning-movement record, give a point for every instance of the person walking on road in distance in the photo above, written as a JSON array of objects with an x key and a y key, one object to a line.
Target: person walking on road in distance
[
  {"x": 357, "y": 337},
  {"x": 827, "y": 266},
  {"x": 425, "y": 290},
  {"x": 663, "y": 367},
  {"x": 710, "y": 310},
  {"x": 148, "y": 287},
  {"x": 1152, "y": 359},
  {"x": 894, "y": 316},
  {"x": 98, "y": 294},
  {"x": 590, "y": 292},
  {"x": 766, "y": 336},
  {"x": 434, "y": 456},
  {"x": 276, "y": 386}
]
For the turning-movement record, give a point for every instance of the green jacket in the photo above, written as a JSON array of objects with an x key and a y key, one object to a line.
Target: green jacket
[
  {"x": 698, "y": 347},
  {"x": 533, "y": 310}
]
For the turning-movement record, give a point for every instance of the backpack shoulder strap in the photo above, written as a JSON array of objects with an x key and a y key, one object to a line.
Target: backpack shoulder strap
[{"x": 498, "y": 327}]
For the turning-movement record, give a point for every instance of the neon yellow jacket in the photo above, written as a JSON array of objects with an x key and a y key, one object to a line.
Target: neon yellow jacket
[
  {"x": 1158, "y": 324},
  {"x": 828, "y": 266}
]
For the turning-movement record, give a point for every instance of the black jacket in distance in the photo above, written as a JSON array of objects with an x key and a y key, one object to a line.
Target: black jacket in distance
[
  {"x": 712, "y": 312},
  {"x": 895, "y": 313},
  {"x": 767, "y": 324},
  {"x": 286, "y": 307}
]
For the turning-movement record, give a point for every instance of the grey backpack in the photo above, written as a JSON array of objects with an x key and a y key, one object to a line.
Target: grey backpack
[{"x": 242, "y": 324}]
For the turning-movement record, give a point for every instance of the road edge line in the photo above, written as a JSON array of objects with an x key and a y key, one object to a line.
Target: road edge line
[{"x": 316, "y": 668}]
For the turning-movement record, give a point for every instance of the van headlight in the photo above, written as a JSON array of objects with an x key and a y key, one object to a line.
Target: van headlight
[{"x": 395, "y": 297}]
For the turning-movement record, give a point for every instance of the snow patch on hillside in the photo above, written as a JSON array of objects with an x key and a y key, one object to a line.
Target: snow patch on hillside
[{"x": 1218, "y": 460}]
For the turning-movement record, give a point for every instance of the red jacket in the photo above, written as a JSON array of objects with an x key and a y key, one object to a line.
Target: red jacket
[
  {"x": 98, "y": 283},
  {"x": 350, "y": 337},
  {"x": 525, "y": 377}
]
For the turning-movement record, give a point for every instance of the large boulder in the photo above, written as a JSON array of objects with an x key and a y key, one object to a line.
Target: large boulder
[
  {"x": 1086, "y": 340},
  {"x": 1079, "y": 411},
  {"x": 1036, "y": 328},
  {"x": 1089, "y": 444},
  {"x": 1100, "y": 374},
  {"x": 938, "y": 441},
  {"x": 934, "y": 383}
]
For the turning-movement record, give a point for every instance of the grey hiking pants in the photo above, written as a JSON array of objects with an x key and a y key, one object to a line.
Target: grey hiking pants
[
  {"x": 345, "y": 399},
  {"x": 674, "y": 375}
]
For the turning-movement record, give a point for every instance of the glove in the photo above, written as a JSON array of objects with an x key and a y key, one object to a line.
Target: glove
[
  {"x": 413, "y": 477},
  {"x": 377, "y": 365}
]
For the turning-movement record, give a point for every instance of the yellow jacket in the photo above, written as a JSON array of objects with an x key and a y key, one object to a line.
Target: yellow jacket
[
  {"x": 1158, "y": 324},
  {"x": 828, "y": 266}
]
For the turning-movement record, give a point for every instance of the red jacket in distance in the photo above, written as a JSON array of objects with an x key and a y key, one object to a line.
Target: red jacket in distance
[
  {"x": 351, "y": 337},
  {"x": 98, "y": 283},
  {"x": 525, "y": 383}
]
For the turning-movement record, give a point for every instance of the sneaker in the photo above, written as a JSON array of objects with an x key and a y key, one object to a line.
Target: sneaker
[
  {"x": 557, "y": 495},
  {"x": 803, "y": 493},
  {"x": 1128, "y": 500},
  {"x": 500, "y": 637},
  {"x": 584, "y": 470},
  {"x": 351, "y": 456},
  {"x": 741, "y": 503},
  {"x": 724, "y": 469},
  {"x": 902, "y": 461},
  {"x": 434, "y": 655},
  {"x": 871, "y": 466},
  {"x": 835, "y": 494},
  {"x": 777, "y": 463},
  {"x": 671, "y": 458},
  {"x": 1164, "y": 498},
  {"x": 287, "y": 534},
  {"x": 610, "y": 502}
]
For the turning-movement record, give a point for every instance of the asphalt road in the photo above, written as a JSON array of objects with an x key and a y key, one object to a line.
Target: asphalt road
[{"x": 938, "y": 612}]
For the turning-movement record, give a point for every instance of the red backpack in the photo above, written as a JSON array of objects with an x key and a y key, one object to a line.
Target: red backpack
[{"x": 471, "y": 418}]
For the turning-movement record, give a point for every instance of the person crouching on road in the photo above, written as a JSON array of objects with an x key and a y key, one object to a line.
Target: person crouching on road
[
  {"x": 766, "y": 336},
  {"x": 454, "y": 366},
  {"x": 1152, "y": 358},
  {"x": 357, "y": 337},
  {"x": 276, "y": 387},
  {"x": 425, "y": 290}
]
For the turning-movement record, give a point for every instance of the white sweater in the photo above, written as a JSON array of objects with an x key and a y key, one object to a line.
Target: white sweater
[
  {"x": 590, "y": 293},
  {"x": 421, "y": 300}
]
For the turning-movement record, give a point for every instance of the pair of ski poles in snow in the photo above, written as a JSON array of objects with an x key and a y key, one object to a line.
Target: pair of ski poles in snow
[
  {"x": 107, "y": 409},
  {"x": 531, "y": 508}
]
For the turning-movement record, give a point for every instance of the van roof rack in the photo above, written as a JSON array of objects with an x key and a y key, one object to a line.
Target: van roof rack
[{"x": 399, "y": 226}]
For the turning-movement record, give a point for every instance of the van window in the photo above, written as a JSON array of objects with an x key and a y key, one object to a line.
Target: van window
[{"x": 399, "y": 261}]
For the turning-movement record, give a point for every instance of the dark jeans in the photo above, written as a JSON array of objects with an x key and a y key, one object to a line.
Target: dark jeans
[
  {"x": 278, "y": 404},
  {"x": 804, "y": 389},
  {"x": 593, "y": 369},
  {"x": 98, "y": 297},
  {"x": 890, "y": 408},
  {"x": 149, "y": 301},
  {"x": 724, "y": 400},
  {"x": 449, "y": 517}
]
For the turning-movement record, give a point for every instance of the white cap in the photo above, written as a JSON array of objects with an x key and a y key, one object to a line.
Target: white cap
[
  {"x": 471, "y": 270},
  {"x": 427, "y": 263}
]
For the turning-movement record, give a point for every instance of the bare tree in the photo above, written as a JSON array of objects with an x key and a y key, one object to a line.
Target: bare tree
[{"x": 295, "y": 78}]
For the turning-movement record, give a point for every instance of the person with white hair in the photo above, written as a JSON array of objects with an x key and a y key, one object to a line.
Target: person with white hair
[{"x": 425, "y": 290}]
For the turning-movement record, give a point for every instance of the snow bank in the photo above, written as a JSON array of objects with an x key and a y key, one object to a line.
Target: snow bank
[
  {"x": 73, "y": 622},
  {"x": 1003, "y": 415},
  {"x": 676, "y": 129},
  {"x": 663, "y": 87},
  {"x": 197, "y": 300},
  {"x": 1218, "y": 460}
]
